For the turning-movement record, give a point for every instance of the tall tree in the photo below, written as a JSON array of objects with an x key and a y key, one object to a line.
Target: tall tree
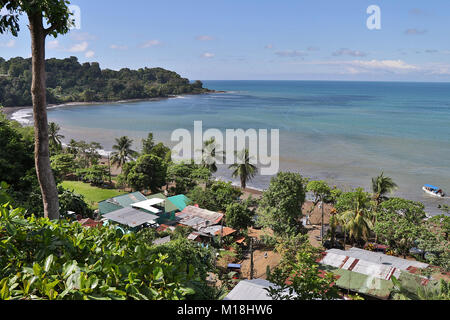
[
  {"x": 123, "y": 152},
  {"x": 57, "y": 16},
  {"x": 321, "y": 190},
  {"x": 243, "y": 169},
  {"x": 355, "y": 213},
  {"x": 381, "y": 186},
  {"x": 210, "y": 154},
  {"x": 280, "y": 208}
]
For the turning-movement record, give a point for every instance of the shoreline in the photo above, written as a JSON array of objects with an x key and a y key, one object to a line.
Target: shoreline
[{"x": 11, "y": 111}]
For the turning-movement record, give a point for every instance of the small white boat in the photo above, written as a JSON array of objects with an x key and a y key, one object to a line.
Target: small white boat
[{"x": 433, "y": 191}]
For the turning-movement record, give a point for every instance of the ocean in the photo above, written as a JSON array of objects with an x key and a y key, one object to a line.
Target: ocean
[{"x": 342, "y": 132}]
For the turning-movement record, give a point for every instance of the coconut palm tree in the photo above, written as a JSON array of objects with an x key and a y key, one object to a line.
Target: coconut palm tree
[
  {"x": 356, "y": 220},
  {"x": 210, "y": 154},
  {"x": 54, "y": 137},
  {"x": 243, "y": 168},
  {"x": 123, "y": 152},
  {"x": 381, "y": 186}
]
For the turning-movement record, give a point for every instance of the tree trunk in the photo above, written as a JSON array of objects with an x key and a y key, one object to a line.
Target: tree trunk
[
  {"x": 243, "y": 183},
  {"x": 38, "y": 93},
  {"x": 322, "y": 231}
]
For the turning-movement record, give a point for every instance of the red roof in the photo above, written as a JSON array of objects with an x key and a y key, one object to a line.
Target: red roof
[
  {"x": 90, "y": 223},
  {"x": 226, "y": 231}
]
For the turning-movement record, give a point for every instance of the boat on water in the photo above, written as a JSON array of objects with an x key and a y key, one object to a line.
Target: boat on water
[{"x": 433, "y": 191}]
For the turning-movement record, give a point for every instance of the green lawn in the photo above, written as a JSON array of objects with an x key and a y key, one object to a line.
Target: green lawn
[{"x": 92, "y": 195}]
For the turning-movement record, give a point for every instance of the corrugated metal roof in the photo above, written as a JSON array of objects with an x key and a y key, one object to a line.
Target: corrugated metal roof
[
  {"x": 198, "y": 218},
  {"x": 161, "y": 240},
  {"x": 342, "y": 261},
  {"x": 122, "y": 201},
  {"x": 251, "y": 290},
  {"x": 380, "y": 258},
  {"x": 130, "y": 217}
]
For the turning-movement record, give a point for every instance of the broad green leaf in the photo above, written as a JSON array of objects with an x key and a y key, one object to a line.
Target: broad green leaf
[{"x": 48, "y": 263}]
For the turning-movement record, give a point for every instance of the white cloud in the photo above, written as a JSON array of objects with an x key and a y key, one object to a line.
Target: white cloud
[
  {"x": 208, "y": 55},
  {"x": 205, "y": 38},
  {"x": 118, "y": 47},
  {"x": 82, "y": 36},
  {"x": 415, "y": 32},
  {"x": 369, "y": 66},
  {"x": 151, "y": 43},
  {"x": 54, "y": 44},
  {"x": 79, "y": 47},
  {"x": 89, "y": 54},
  {"x": 348, "y": 52},
  {"x": 291, "y": 53},
  {"x": 10, "y": 44},
  {"x": 384, "y": 64}
]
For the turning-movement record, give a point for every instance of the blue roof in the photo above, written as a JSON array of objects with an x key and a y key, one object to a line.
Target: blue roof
[
  {"x": 237, "y": 266},
  {"x": 432, "y": 187}
]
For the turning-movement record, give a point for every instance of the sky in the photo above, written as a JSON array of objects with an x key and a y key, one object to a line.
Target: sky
[{"x": 258, "y": 39}]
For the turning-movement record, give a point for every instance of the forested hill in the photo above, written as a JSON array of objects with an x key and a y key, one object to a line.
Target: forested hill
[{"x": 70, "y": 81}]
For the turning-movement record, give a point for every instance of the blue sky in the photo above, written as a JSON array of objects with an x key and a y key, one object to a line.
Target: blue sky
[{"x": 259, "y": 39}]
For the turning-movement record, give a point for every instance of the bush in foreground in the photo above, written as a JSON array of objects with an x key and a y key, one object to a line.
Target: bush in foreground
[{"x": 47, "y": 260}]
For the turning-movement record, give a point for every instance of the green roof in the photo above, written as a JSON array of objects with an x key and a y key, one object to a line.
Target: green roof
[
  {"x": 361, "y": 283},
  {"x": 180, "y": 201},
  {"x": 120, "y": 202},
  {"x": 169, "y": 206}
]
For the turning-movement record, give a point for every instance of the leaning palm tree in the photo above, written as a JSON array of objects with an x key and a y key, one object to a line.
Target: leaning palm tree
[
  {"x": 381, "y": 186},
  {"x": 54, "y": 136},
  {"x": 243, "y": 168},
  {"x": 123, "y": 152}
]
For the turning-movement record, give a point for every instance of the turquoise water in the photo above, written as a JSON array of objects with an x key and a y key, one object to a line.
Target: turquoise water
[{"x": 344, "y": 132}]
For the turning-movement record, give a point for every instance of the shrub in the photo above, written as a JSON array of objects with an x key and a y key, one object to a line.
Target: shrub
[{"x": 56, "y": 260}]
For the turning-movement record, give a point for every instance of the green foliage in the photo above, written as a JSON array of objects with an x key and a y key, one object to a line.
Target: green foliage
[
  {"x": 244, "y": 168},
  {"x": 355, "y": 214},
  {"x": 215, "y": 197},
  {"x": 86, "y": 154},
  {"x": 400, "y": 224},
  {"x": 63, "y": 165},
  {"x": 123, "y": 152},
  {"x": 381, "y": 186},
  {"x": 55, "y": 139},
  {"x": 238, "y": 216},
  {"x": 280, "y": 208},
  {"x": 71, "y": 201},
  {"x": 320, "y": 189},
  {"x": 148, "y": 172},
  {"x": 95, "y": 175},
  {"x": 186, "y": 176},
  {"x": 4, "y": 195},
  {"x": 16, "y": 156},
  {"x": 298, "y": 276},
  {"x": 44, "y": 260},
  {"x": 148, "y": 144},
  {"x": 69, "y": 81}
]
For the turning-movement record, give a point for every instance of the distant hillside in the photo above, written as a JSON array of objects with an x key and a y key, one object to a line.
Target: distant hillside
[{"x": 70, "y": 81}]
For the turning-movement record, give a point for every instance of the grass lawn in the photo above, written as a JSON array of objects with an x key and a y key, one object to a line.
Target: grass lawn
[{"x": 92, "y": 195}]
